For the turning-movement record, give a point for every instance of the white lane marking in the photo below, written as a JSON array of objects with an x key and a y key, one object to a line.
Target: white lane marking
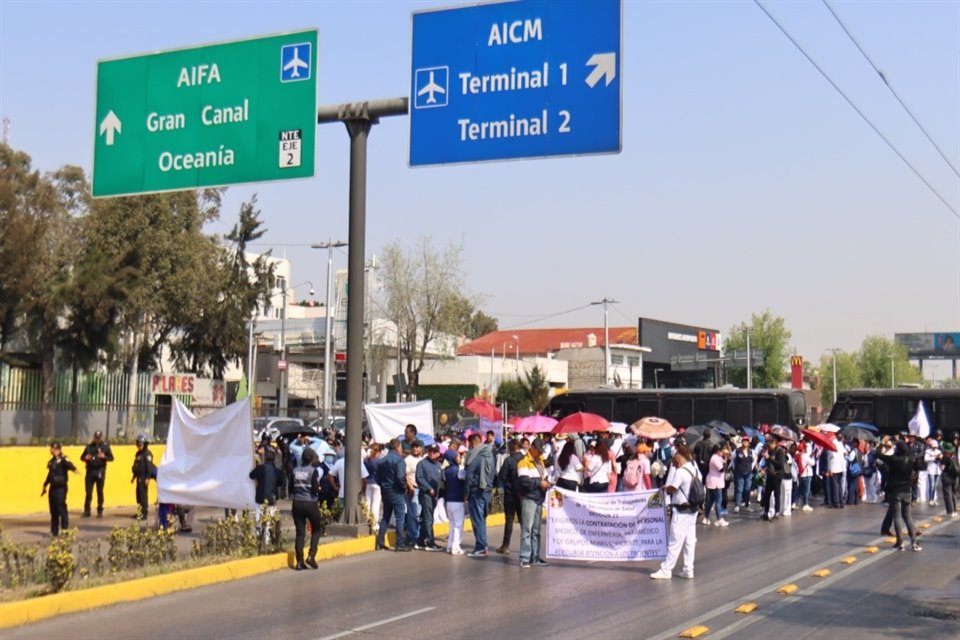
[
  {"x": 378, "y": 624},
  {"x": 726, "y": 608}
]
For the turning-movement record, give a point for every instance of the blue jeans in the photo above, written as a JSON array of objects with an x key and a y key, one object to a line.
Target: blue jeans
[
  {"x": 741, "y": 488},
  {"x": 478, "y": 518},
  {"x": 412, "y": 504},
  {"x": 393, "y": 505},
  {"x": 713, "y": 501},
  {"x": 932, "y": 482},
  {"x": 853, "y": 489},
  {"x": 805, "y": 490},
  {"x": 530, "y": 520}
]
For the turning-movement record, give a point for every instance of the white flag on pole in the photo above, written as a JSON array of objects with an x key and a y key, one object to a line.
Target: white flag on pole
[{"x": 919, "y": 425}]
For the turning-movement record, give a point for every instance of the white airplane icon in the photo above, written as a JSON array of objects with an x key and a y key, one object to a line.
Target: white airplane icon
[
  {"x": 431, "y": 88},
  {"x": 296, "y": 64}
]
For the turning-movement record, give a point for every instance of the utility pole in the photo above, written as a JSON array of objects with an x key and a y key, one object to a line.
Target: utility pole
[
  {"x": 893, "y": 374},
  {"x": 834, "y": 352},
  {"x": 749, "y": 363},
  {"x": 327, "y": 351},
  {"x": 283, "y": 352},
  {"x": 358, "y": 117},
  {"x": 606, "y": 339}
]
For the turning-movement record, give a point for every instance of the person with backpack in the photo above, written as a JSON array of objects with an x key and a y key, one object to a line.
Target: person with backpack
[
  {"x": 775, "y": 468},
  {"x": 633, "y": 479},
  {"x": 686, "y": 494}
]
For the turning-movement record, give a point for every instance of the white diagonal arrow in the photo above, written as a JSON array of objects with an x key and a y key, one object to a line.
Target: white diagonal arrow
[
  {"x": 110, "y": 125},
  {"x": 604, "y": 64}
]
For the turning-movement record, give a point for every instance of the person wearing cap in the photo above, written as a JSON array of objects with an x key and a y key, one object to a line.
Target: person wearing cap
[
  {"x": 950, "y": 473},
  {"x": 143, "y": 471},
  {"x": 532, "y": 486},
  {"x": 56, "y": 482},
  {"x": 96, "y": 455},
  {"x": 427, "y": 476}
]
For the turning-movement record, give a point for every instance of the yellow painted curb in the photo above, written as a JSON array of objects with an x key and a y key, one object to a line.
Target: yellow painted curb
[
  {"x": 787, "y": 589},
  {"x": 13, "y": 614},
  {"x": 746, "y": 607},
  {"x": 821, "y": 573},
  {"x": 694, "y": 632},
  {"x": 872, "y": 549},
  {"x": 849, "y": 560}
]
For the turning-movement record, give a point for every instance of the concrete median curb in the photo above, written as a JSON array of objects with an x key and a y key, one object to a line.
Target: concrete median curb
[{"x": 14, "y": 614}]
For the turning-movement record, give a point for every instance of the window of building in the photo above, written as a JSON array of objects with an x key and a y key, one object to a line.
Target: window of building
[
  {"x": 616, "y": 360},
  {"x": 633, "y": 361}
]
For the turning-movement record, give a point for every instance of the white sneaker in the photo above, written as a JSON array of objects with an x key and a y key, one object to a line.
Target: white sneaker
[
  {"x": 806, "y": 507},
  {"x": 722, "y": 523},
  {"x": 685, "y": 574},
  {"x": 660, "y": 574},
  {"x": 706, "y": 522},
  {"x": 955, "y": 514},
  {"x": 736, "y": 509}
]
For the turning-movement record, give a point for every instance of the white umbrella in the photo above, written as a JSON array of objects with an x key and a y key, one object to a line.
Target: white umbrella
[
  {"x": 618, "y": 427},
  {"x": 829, "y": 428}
]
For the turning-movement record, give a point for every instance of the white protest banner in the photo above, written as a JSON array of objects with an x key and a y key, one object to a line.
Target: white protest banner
[
  {"x": 606, "y": 526},
  {"x": 388, "y": 420}
]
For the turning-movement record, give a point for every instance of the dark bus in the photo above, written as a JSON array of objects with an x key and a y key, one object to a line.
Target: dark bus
[
  {"x": 890, "y": 410},
  {"x": 687, "y": 407}
]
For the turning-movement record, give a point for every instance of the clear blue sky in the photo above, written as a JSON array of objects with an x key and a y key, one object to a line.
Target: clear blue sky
[{"x": 745, "y": 180}]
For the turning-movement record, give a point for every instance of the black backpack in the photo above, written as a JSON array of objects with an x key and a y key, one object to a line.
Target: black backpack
[{"x": 697, "y": 496}]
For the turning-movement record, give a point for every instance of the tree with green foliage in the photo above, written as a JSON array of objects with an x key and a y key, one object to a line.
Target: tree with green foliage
[
  {"x": 769, "y": 334},
  {"x": 874, "y": 363},
  {"x": 848, "y": 375},
  {"x": 515, "y": 395},
  {"x": 537, "y": 388}
]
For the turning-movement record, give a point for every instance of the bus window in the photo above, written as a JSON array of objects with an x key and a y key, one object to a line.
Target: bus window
[
  {"x": 599, "y": 406},
  {"x": 949, "y": 414},
  {"x": 890, "y": 414},
  {"x": 707, "y": 409},
  {"x": 765, "y": 411},
  {"x": 678, "y": 411},
  {"x": 625, "y": 410},
  {"x": 738, "y": 413}
]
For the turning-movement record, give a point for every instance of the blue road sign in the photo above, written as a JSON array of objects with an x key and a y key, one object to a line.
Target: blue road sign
[{"x": 522, "y": 79}]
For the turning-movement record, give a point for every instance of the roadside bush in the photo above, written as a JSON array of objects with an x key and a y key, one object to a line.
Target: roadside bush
[
  {"x": 60, "y": 563},
  {"x": 22, "y": 564},
  {"x": 329, "y": 514},
  {"x": 135, "y": 546},
  {"x": 243, "y": 536}
]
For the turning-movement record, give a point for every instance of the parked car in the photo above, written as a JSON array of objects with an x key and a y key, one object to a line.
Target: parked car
[{"x": 272, "y": 425}]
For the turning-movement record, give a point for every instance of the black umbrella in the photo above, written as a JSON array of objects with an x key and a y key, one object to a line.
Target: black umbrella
[
  {"x": 852, "y": 432},
  {"x": 695, "y": 433},
  {"x": 784, "y": 432},
  {"x": 292, "y": 429},
  {"x": 721, "y": 427}
]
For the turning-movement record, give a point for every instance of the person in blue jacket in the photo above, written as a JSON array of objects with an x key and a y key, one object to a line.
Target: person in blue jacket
[{"x": 392, "y": 478}]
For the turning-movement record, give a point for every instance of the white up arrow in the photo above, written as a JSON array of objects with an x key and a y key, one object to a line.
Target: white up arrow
[
  {"x": 604, "y": 64},
  {"x": 110, "y": 125}
]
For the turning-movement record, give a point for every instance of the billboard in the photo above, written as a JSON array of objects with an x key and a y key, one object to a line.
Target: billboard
[
  {"x": 669, "y": 339},
  {"x": 930, "y": 345}
]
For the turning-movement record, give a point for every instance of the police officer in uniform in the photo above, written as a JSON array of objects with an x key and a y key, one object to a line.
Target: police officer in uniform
[
  {"x": 306, "y": 495},
  {"x": 143, "y": 471},
  {"x": 96, "y": 454},
  {"x": 56, "y": 481}
]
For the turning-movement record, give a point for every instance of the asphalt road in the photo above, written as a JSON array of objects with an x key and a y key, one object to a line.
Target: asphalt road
[{"x": 888, "y": 594}]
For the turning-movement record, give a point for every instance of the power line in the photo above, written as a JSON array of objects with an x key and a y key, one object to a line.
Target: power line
[
  {"x": 892, "y": 90},
  {"x": 857, "y": 109},
  {"x": 547, "y": 317}
]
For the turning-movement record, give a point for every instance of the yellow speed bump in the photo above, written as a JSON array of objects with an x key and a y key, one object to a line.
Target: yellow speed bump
[
  {"x": 694, "y": 632},
  {"x": 821, "y": 573},
  {"x": 872, "y": 549},
  {"x": 938, "y": 519},
  {"x": 746, "y": 607},
  {"x": 925, "y": 525},
  {"x": 787, "y": 589},
  {"x": 891, "y": 540},
  {"x": 849, "y": 560}
]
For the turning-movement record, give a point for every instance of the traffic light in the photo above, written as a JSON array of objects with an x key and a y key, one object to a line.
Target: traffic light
[{"x": 341, "y": 390}]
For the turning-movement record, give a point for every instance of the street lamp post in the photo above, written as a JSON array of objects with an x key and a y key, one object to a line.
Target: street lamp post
[
  {"x": 834, "y": 352},
  {"x": 606, "y": 339},
  {"x": 517, "y": 367},
  {"x": 893, "y": 374},
  {"x": 656, "y": 378},
  {"x": 327, "y": 351}
]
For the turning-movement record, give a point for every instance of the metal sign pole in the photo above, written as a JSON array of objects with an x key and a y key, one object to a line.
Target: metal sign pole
[{"x": 359, "y": 118}]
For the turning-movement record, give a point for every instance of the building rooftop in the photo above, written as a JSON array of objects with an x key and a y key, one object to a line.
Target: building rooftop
[{"x": 540, "y": 342}]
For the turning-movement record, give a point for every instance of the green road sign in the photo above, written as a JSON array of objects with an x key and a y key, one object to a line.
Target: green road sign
[{"x": 220, "y": 114}]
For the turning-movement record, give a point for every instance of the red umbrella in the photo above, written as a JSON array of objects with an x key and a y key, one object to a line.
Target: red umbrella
[
  {"x": 483, "y": 409},
  {"x": 819, "y": 438},
  {"x": 581, "y": 422},
  {"x": 535, "y": 424}
]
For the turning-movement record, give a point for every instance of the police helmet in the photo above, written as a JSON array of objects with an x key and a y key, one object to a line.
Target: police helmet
[{"x": 141, "y": 439}]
